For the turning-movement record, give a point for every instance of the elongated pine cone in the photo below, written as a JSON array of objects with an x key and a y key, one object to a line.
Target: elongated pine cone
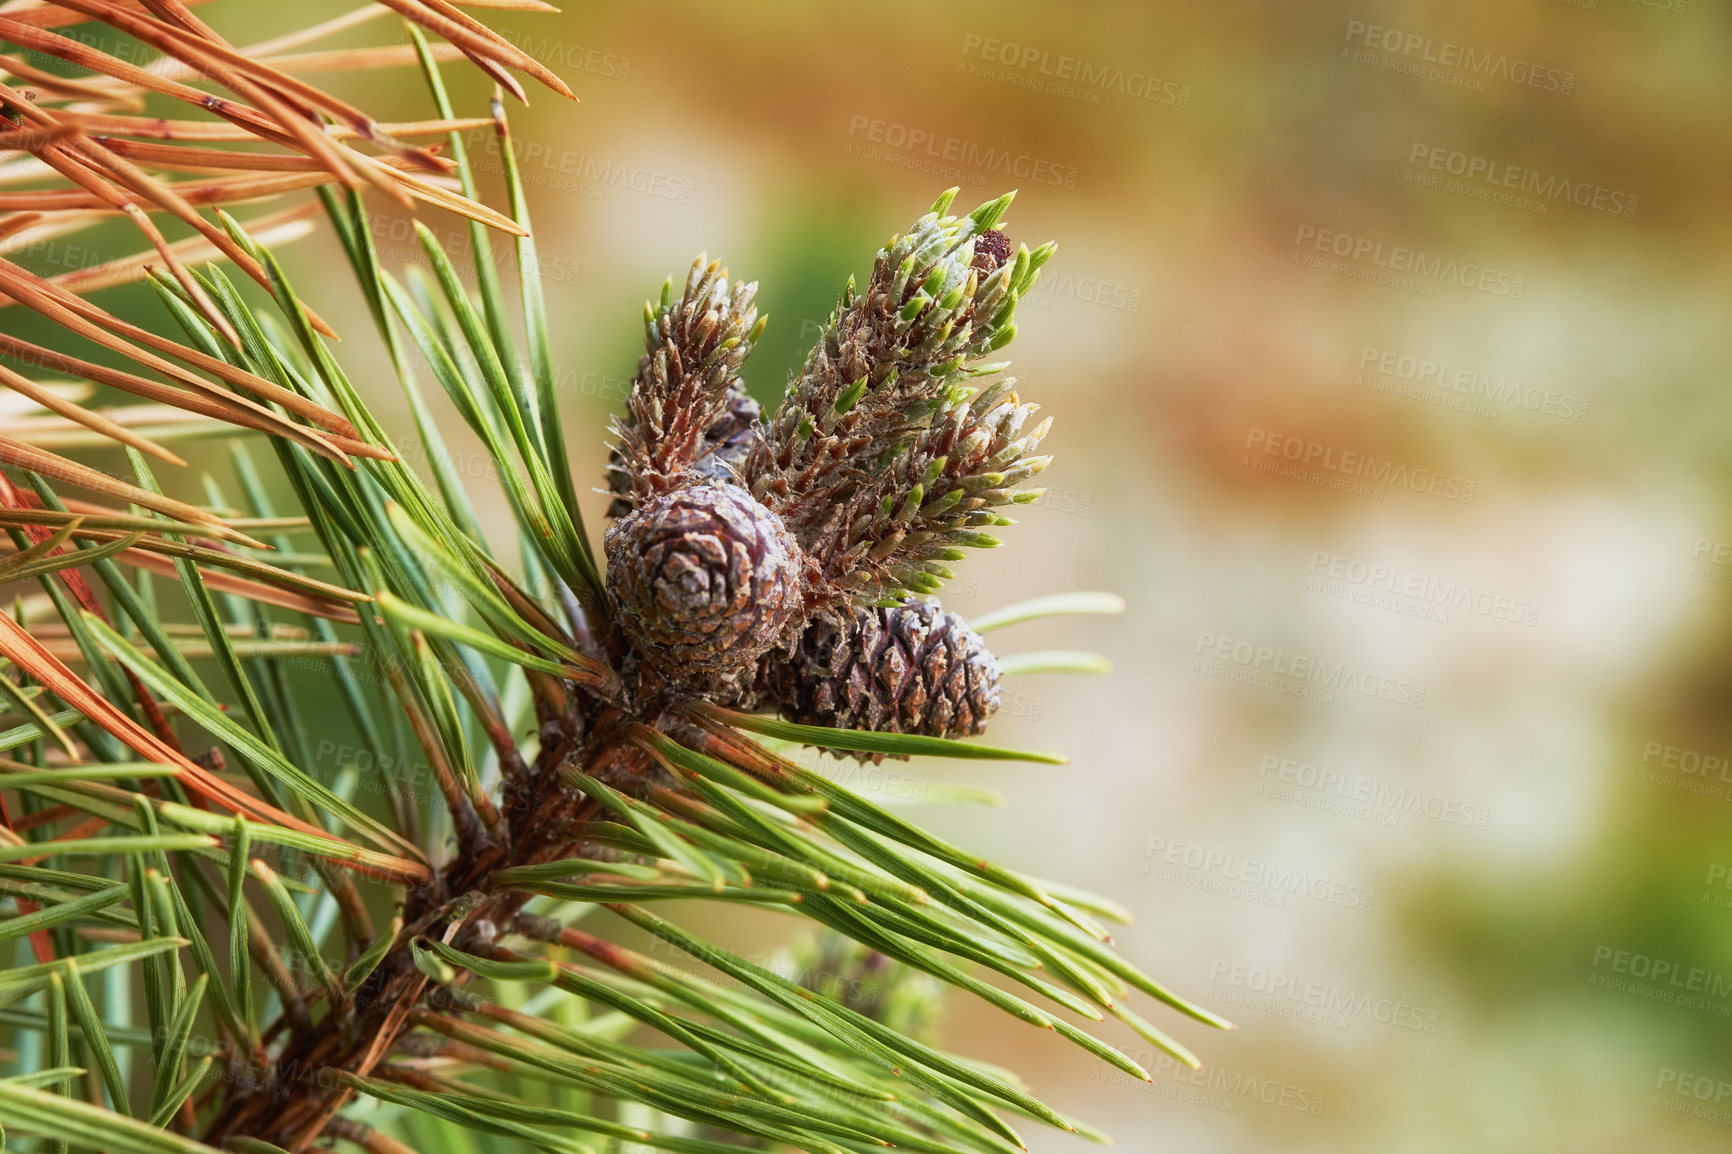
[
  {"x": 703, "y": 579},
  {"x": 909, "y": 668},
  {"x": 688, "y": 414},
  {"x": 726, "y": 443},
  {"x": 891, "y": 449}
]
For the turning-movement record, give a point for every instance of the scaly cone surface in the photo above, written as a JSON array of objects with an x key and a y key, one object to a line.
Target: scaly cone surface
[
  {"x": 911, "y": 668},
  {"x": 703, "y": 579}
]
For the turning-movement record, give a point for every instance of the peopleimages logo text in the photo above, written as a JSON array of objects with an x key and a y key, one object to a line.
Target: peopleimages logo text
[
  {"x": 1362, "y": 466},
  {"x": 1412, "y": 262},
  {"x": 1341, "y": 675},
  {"x": 1372, "y": 793},
  {"x": 1415, "y": 47},
  {"x": 1495, "y": 173},
  {"x": 1416, "y": 587},
  {"x": 1471, "y": 383},
  {"x": 1273, "y": 988},
  {"x": 1667, "y": 980},
  {"x": 1071, "y": 69},
  {"x": 968, "y": 154},
  {"x": 1268, "y": 875}
]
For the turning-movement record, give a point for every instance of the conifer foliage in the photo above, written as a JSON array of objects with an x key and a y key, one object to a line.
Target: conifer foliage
[{"x": 223, "y": 924}]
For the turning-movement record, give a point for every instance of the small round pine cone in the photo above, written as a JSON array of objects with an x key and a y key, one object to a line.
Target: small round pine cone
[
  {"x": 703, "y": 579},
  {"x": 909, "y": 668}
]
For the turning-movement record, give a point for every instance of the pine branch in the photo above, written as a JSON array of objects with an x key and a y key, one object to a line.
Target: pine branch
[{"x": 553, "y": 741}]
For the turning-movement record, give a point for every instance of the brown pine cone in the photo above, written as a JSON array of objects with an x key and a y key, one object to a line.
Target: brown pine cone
[
  {"x": 703, "y": 579},
  {"x": 910, "y": 668}
]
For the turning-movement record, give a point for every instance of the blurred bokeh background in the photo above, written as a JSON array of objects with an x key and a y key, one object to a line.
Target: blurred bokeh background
[{"x": 1387, "y": 355}]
